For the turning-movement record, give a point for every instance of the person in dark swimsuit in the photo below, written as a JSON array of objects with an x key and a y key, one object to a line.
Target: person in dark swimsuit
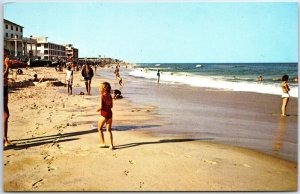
[
  {"x": 158, "y": 76},
  {"x": 87, "y": 73},
  {"x": 285, "y": 94},
  {"x": 105, "y": 106}
]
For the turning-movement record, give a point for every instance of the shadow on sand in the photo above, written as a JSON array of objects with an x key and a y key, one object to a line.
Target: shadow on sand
[
  {"x": 26, "y": 83},
  {"x": 161, "y": 141},
  {"x": 41, "y": 140},
  {"x": 65, "y": 137},
  {"x": 58, "y": 138}
]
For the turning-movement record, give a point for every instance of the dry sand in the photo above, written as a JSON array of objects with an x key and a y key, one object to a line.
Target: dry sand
[{"x": 56, "y": 148}]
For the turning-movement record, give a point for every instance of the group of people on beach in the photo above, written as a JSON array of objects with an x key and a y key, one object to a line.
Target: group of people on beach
[
  {"x": 105, "y": 98},
  {"x": 87, "y": 73},
  {"x": 104, "y": 108}
]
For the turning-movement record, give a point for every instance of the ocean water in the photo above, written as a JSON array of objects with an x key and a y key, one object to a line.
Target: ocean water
[{"x": 227, "y": 76}]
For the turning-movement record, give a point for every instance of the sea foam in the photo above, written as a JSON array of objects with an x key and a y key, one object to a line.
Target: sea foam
[{"x": 214, "y": 82}]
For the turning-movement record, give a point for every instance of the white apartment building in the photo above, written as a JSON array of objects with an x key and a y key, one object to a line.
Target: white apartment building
[
  {"x": 13, "y": 34},
  {"x": 37, "y": 47},
  {"x": 49, "y": 51},
  {"x": 71, "y": 52},
  {"x": 14, "y": 40}
]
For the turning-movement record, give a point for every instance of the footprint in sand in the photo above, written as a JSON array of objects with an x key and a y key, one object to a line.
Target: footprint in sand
[
  {"x": 7, "y": 163},
  {"x": 51, "y": 168},
  {"x": 57, "y": 145},
  {"x": 135, "y": 110},
  {"x": 37, "y": 183},
  {"x": 44, "y": 153},
  {"x": 210, "y": 162},
  {"x": 11, "y": 155},
  {"x": 132, "y": 162},
  {"x": 126, "y": 172},
  {"x": 49, "y": 159},
  {"x": 141, "y": 184}
]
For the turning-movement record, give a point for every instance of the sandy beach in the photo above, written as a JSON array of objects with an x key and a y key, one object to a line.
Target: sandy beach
[{"x": 56, "y": 138}]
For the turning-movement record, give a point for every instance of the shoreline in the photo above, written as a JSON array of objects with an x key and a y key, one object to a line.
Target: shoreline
[
  {"x": 62, "y": 130},
  {"x": 196, "y": 77},
  {"x": 245, "y": 119}
]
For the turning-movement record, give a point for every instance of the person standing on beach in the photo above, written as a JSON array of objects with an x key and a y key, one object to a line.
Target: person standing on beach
[
  {"x": 69, "y": 78},
  {"x": 120, "y": 80},
  {"x": 260, "y": 78},
  {"x": 117, "y": 71},
  {"x": 87, "y": 73},
  {"x": 6, "y": 142},
  {"x": 95, "y": 67},
  {"x": 285, "y": 94},
  {"x": 158, "y": 76},
  {"x": 105, "y": 106}
]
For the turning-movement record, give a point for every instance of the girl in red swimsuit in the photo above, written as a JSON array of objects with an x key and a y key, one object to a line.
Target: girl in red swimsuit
[{"x": 105, "y": 106}]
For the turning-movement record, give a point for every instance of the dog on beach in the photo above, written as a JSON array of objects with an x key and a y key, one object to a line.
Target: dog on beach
[{"x": 117, "y": 94}]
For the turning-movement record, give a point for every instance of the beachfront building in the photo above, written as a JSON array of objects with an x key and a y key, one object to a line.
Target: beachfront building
[
  {"x": 13, "y": 38},
  {"x": 34, "y": 47},
  {"x": 71, "y": 52},
  {"x": 49, "y": 51},
  {"x": 29, "y": 47}
]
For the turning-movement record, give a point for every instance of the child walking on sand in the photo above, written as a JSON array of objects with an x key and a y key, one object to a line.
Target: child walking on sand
[
  {"x": 120, "y": 80},
  {"x": 69, "y": 79},
  {"x": 105, "y": 106},
  {"x": 285, "y": 94}
]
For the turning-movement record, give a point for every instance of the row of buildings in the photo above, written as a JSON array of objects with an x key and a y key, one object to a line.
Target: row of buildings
[{"x": 34, "y": 47}]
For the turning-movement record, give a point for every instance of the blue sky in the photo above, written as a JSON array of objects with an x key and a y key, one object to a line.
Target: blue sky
[{"x": 166, "y": 32}]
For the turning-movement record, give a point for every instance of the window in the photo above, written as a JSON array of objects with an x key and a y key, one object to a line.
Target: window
[
  {"x": 17, "y": 29},
  {"x": 17, "y": 36},
  {"x": 6, "y": 34},
  {"x": 6, "y": 26},
  {"x": 21, "y": 30},
  {"x": 46, "y": 45},
  {"x": 11, "y": 43},
  {"x": 38, "y": 45},
  {"x": 12, "y": 28},
  {"x": 11, "y": 35},
  {"x": 46, "y": 52}
]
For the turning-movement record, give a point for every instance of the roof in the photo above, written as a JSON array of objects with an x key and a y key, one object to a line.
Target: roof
[{"x": 7, "y": 21}]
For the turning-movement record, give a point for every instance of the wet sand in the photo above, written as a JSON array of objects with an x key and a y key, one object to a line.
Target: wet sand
[
  {"x": 249, "y": 120},
  {"x": 56, "y": 141}
]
